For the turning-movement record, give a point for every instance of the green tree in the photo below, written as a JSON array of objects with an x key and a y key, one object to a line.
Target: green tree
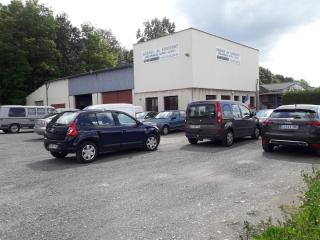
[
  {"x": 97, "y": 52},
  {"x": 265, "y": 75},
  {"x": 69, "y": 44},
  {"x": 304, "y": 83},
  {"x": 154, "y": 29}
]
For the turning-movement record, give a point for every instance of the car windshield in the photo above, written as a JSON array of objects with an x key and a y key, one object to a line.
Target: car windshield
[
  {"x": 294, "y": 114},
  {"x": 65, "y": 118},
  {"x": 141, "y": 115},
  {"x": 263, "y": 113},
  {"x": 163, "y": 115}
]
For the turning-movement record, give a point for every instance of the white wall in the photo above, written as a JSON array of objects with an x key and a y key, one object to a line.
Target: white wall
[
  {"x": 38, "y": 95},
  {"x": 185, "y": 96},
  {"x": 163, "y": 74},
  {"x": 201, "y": 69},
  {"x": 210, "y": 72},
  {"x": 58, "y": 93}
]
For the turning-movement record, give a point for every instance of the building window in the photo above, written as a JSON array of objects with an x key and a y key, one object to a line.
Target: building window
[
  {"x": 252, "y": 103},
  {"x": 225, "y": 97},
  {"x": 171, "y": 103},
  {"x": 236, "y": 98},
  {"x": 152, "y": 104},
  {"x": 211, "y": 97},
  {"x": 38, "y": 103}
]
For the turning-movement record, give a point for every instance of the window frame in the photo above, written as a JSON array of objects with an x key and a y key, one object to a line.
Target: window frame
[
  {"x": 175, "y": 107},
  {"x": 116, "y": 115}
]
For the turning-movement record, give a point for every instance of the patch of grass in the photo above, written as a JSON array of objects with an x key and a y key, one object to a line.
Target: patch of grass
[{"x": 299, "y": 223}]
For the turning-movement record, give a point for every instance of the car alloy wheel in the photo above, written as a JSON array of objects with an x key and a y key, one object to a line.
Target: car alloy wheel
[
  {"x": 256, "y": 133},
  {"x": 87, "y": 152},
  {"x": 14, "y": 128},
  {"x": 228, "y": 139},
  {"x": 152, "y": 143}
]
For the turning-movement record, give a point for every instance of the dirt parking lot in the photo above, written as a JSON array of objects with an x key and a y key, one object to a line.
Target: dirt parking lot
[{"x": 178, "y": 192}]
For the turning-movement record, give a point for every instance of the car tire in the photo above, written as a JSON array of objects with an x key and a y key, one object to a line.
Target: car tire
[
  {"x": 14, "y": 128},
  {"x": 87, "y": 152},
  {"x": 256, "y": 133},
  {"x": 267, "y": 147},
  {"x": 151, "y": 143},
  {"x": 165, "y": 130},
  {"x": 59, "y": 155},
  {"x": 193, "y": 141},
  {"x": 228, "y": 139}
]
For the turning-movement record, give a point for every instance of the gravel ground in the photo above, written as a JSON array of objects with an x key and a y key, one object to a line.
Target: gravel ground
[{"x": 178, "y": 192}]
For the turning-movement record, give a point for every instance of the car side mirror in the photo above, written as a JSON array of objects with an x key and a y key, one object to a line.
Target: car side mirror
[{"x": 173, "y": 118}]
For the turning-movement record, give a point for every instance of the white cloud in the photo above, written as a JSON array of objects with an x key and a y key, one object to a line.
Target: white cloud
[
  {"x": 296, "y": 54},
  {"x": 123, "y": 17}
]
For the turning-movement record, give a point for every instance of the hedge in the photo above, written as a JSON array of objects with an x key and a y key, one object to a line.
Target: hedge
[{"x": 310, "y": 96}]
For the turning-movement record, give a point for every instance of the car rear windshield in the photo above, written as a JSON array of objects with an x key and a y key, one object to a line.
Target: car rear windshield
[
  {"x": 294, "y": 114},
  {"x": 263, "y": 113},
  {"x": 65, "y": 118},
  {"x": 201, "y": 111}
]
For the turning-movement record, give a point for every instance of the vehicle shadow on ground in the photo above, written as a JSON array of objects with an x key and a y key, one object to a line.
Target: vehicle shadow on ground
[
  {"x": 70, "y": 161},
  {"x": 16, "y": 134},
  {"x": 293, "y": 154},
  {"x": 216, "y": 146},
  {"x": 34, "y": 140}
]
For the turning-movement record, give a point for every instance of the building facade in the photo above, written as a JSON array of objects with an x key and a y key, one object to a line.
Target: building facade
[
  {"x": 191, "y": 65},
  {"x": 103, "y": 86},
  {"x": 168, "y": 73},
  {"x": 271, "y": 94}
]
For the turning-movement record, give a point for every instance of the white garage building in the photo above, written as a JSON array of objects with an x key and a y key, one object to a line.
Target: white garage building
[
  {"x": 168, "y": 73},
  {"x": 190, "y": 65}
]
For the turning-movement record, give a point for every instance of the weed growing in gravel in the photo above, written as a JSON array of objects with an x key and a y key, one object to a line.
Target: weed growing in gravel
[{"x": 299, "y": 223}]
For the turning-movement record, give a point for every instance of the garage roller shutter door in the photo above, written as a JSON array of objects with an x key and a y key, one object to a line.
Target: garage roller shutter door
[{"x": 117, "y": 97}]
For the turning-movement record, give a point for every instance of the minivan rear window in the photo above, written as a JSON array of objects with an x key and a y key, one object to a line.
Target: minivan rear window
[
  {"x": 201, "y": 111},
  {"x": 65, "y": 118},
  {"x": 294, "y": 113}
]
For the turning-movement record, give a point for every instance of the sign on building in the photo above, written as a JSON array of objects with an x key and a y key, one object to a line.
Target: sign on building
[
  {"x": 160, "y": 53},
  {"x": 228, "y": 56}
]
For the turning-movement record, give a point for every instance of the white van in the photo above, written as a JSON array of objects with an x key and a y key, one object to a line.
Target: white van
[
  {"x": 123, "y": 107},
  {"x": 15, "y": 117}
]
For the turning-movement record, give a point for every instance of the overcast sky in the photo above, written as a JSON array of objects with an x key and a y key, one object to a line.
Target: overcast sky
[{"x": 287, "y": 32}]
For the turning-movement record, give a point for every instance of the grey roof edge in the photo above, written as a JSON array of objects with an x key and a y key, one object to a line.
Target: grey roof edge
[
  {"x": 192, "y": 28},
  {"x": 93, "y": 72}
]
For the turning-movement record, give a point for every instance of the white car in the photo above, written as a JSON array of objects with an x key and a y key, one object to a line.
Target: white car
[{"x": 123, "y": 107}]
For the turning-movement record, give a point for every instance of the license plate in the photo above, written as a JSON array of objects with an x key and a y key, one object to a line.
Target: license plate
[
  {"x": 291, "y": 127},
  {"x": 53, "y": 146},
  {"x": 195, "y": 126}
]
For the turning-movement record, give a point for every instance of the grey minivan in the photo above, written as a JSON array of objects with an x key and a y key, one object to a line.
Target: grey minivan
[
  {"x": 15, "y": 117},
  {"x": 220, "y": 120}
]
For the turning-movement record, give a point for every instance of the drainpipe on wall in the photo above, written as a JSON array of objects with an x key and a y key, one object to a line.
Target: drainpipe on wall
[
  {"x": 47, "y": 90},
  {"x": 258, "y": 95}
]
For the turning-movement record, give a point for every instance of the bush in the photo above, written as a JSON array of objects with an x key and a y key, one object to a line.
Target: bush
[
  {"x": 301, "y": 223},
  {"x": 310, "y": 96}
]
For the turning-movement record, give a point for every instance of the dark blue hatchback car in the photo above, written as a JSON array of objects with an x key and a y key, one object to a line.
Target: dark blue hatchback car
[{"x": 88, "y": 133}]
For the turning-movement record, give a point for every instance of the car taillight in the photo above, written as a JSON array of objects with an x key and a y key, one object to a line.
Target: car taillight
[
  {"x": 313, "y": 123},
  {"x": 219, "y": 115},
  {"x": 72, "y": 130},
  {"x": 267, "y": 122}
]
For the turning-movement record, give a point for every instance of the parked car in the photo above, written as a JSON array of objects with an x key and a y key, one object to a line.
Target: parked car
[
  {"x": 15, "y": 117},
  {"x": 262, "y": 115},
  {"x": 168, "y": 121},
  {"x": 124, "y": 107},
  {"x": 89, "y": 133},
  {"x": 220, "y": 120},
  {"x": 41, "y": 124},
  {"x": 293, "y": 125},
  {"x": 143, "y": 116}
]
